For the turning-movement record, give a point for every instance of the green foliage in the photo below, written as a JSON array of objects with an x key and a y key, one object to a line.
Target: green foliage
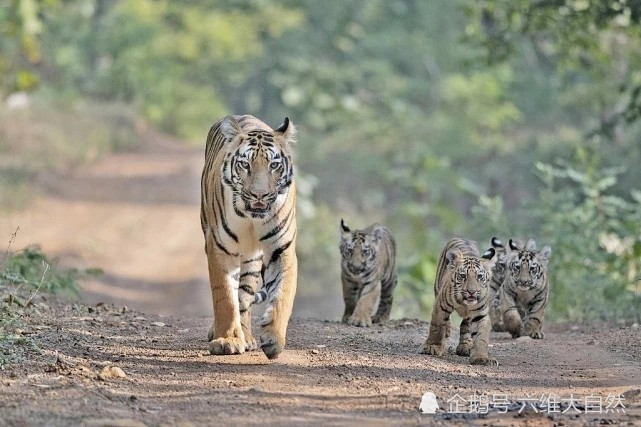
[
  {"x": 32, "y": 268},
  {"x": 595, "y": 238}
]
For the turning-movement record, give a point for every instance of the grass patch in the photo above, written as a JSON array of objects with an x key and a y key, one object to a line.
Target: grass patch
[{"x": 24, "y": 274}]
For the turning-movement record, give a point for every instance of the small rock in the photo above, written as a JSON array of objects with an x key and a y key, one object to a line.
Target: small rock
[
  {"x": 183, "y": 331},
  {"x": 160, "y": 324},
  {"x": 315, "y": 351},
  {"x": 111, "y": 372},
  {"x": 634, "y": 326},
  {"x": 321, "y": 346},
  {"x": 408, "y": 323}
]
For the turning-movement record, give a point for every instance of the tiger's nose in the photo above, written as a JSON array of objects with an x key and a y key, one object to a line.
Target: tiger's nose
[{"x": 258, "y": 194}]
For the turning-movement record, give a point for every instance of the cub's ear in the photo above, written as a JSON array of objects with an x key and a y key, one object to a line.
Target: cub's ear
[
  {"x": 377, "y": 233},
  {"x": 229, "y": 127},
  {"x": 287, "y": 130},
  {"x": 544, "y": 255},
  {"x": 496, "y": 243},
  {"x": 489, "y": 253},
  {"x": 344, "y": 227},
  {"x": 452, "y": 256},
  {"x": 513, "y": 245},
  {"x": 530, "y": 245},
  {"x": 490, "y": 259}
]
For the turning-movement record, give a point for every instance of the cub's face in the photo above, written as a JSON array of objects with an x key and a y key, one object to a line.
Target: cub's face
[
  {"x": 470, "y": 276},
  {"x": 358, "y": 249},
  {"x": 259, "y": 168},
  {"x": 527, "y": 266}
]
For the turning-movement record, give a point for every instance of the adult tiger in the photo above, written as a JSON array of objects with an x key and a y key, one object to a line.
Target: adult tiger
[
  {"x": 462, "y": 284},
  {"x": 248, "y": 217},
  {"x": 368, "y": 274},
  {"x": 524, "y": 294}
]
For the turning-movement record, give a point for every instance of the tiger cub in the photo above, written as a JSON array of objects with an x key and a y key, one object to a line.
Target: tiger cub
[
  {"x": 524, "y": 294},
  {"x": 368, "y": 274},
  {"x": 498, "y": 275},
  {"x": 462, "y": 283}
]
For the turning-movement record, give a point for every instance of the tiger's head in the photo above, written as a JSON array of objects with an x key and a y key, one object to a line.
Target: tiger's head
[
  {"x": 258, "y": 165},
  {"x": 359, "y": 249},
  {"x": 470, "y": 275},
  {"x": 527, "y": 266}
]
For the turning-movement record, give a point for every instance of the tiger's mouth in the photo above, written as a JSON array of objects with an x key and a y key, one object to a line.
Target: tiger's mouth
[
  {"x": 258, "y": 206},
  {"x": 470, "y": 300}
]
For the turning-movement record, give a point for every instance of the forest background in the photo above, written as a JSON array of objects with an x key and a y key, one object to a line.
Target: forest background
[{"x": 508, "y": 118}]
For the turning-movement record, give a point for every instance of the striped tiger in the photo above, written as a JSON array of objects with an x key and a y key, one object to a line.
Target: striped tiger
[
  {"x": 525, "y": 290},
  {"x": 248, "y": 217},
  {"x": 368, "y": 274},
  {"x": 498, "y": 275},
  {"x": 462, "y": 283}
]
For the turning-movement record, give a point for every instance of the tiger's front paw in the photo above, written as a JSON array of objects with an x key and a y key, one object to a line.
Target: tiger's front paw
[
  {"x": 486, "y": 361},
  {"x": 250, "y": 342},
  {"x": 463, "y": 350},
  {"x": 272, "y": 344},
  {"x": 432, "y": 349},
  {"x": 231, "y": 345},
  {"x": 532, "y": 331},
  {"x": 361, "y": 321}
]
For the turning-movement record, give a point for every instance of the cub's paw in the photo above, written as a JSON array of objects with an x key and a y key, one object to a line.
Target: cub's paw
[
  {"x": 432, "y": 349},
  {"x": 361, "y": 321},
  {"x": 271, "y": 344},
  {"x": 232, "y": 345},
  {"x": 536, "y": 335},
  {"x": 380, "y": 319},
  {"x": 463, "y": 350},
  {"x": 486, "y": 361}
]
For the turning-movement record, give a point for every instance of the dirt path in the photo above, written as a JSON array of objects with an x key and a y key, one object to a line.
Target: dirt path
[
  {"x": 135, "y": 215},
  {"x": 330, "y": 374}
]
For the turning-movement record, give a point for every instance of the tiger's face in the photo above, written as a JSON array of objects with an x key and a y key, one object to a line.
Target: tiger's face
[
  {"x": 259, "y": 168},
  {"x": 358, "y": 250},
  {"x": 527, "y": 266},
  {"x": 470, "y": 276}
]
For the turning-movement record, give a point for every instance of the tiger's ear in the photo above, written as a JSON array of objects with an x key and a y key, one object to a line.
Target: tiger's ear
[
  {"x": 230, "y": 127},
  {"x": 377, "y": 233},
  {"x": 452, "y": 256},
  {"x": 496, "y": 243},
  {"x": 344, "y": 227},
  {"x": 544, "y": 255},
  {"x": 513, "y": 245},
  {"x": 287, "y": 130},
  {"x": 530, "y": 245},
  {"x": 489, "y": 257}
]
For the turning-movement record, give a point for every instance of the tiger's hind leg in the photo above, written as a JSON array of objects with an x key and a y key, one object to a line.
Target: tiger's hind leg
[
  {"x": 385, "y": 303},
  {"x": 226, "y": 335}
]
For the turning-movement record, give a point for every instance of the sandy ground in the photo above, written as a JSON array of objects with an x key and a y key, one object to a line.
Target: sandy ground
[
  {"x": 135, "y": 215},
  {"x": 329, "y": 374}
]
